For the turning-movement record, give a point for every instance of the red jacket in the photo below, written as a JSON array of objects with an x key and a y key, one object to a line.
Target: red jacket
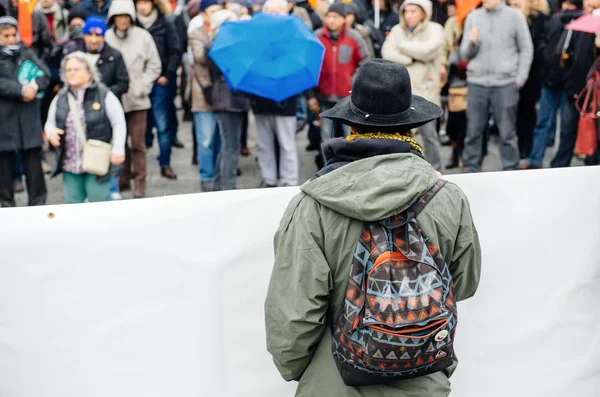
[{"x": 342, "y": 59}]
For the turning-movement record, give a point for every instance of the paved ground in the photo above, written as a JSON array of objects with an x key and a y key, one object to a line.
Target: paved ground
[{"x": 189, "y": 181}]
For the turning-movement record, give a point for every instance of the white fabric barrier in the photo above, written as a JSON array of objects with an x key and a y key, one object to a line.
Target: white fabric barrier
[{"x": 164, "y": 297}]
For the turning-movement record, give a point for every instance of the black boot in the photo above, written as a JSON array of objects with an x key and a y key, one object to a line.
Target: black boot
[{"x": 454, "y": 163}]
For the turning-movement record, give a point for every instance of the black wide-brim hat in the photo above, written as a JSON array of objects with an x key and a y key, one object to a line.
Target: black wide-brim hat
[{"x": 382, "y": 97}]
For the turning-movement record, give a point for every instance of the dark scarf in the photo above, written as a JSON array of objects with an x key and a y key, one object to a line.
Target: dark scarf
[{"x": 340, "y": 151}]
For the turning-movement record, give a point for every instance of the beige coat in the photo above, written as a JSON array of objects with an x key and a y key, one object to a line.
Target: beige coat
[
  {"x": 197, "y": 41},
  {"x": 451, "y": 33},
  {"x": 421, "y": 51},
  {"x": 302, "y": 14},
  {"x": 140, "y": 55}
]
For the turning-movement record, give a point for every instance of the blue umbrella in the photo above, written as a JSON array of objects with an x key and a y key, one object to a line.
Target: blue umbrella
[{"x": 273, "y": 56}]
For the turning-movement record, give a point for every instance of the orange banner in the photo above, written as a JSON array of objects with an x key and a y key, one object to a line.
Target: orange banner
[
  {"x": 25, "y": 24},
  {"x": 464, "y": 7}
]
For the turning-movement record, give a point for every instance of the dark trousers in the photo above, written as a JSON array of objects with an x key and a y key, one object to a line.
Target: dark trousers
[
  {"x": 526, "y": 121},
  {"x": 34, "y": 177},
  {"x": 135, "y": 154}
]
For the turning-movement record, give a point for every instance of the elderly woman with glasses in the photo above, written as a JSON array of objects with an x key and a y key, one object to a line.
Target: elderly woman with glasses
[{"x": 84, "y": 105}]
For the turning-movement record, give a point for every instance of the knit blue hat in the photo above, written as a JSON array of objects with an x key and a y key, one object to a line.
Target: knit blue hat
[
  {"x": 204, "y": 4},
  {"x": 94, "y": 25}
]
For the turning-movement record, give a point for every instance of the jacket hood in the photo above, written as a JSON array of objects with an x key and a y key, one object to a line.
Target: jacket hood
[
  {"x": 424, "y": 4},
  {"x": 374, "y": 188},
  {"x": 121, "y": 7}
]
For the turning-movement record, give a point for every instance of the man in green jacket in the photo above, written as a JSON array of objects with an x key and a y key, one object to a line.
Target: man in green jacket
[{"x": 377, "y": 172}]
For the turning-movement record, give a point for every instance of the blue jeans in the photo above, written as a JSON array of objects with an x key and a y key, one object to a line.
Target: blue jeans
[
  {"x": 159, "y": 117},
  {"x": 173, "y": 123},
  {"x": 568, "y": 135},
  {"x": 209, "y": 144},
  {"x": 550, "y": 102},
  {"x": 301, "y": 111},
  {"x": 230, "y": 129}
]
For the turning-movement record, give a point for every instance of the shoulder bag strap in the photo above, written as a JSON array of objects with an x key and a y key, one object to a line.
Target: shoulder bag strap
[
  {"x": 417, "y": 207},
  {"x": 74, "y": 110}
]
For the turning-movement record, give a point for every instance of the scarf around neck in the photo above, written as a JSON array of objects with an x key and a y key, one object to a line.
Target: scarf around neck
[
  {"x": 148, "y": 21},
  {"x": 341, "y": 151}
]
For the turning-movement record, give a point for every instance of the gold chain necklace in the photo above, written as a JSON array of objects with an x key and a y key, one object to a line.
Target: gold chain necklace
[{"x": 387, "y": 135}]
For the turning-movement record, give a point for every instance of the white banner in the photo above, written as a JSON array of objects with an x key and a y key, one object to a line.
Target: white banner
[{"x": 164, "y": 297}]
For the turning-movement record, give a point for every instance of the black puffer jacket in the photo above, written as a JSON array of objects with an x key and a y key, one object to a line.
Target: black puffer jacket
[
  {"x": 553, "y": 39},
  {"x": 113, "y": 71},
  {"x": 168, "y": 45},
  {"x": 532, "y": 88},
  {"x": 582, "y": 54}
]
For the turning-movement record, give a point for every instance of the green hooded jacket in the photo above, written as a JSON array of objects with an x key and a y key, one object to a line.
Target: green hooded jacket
[{"x": 314, "y": 246}]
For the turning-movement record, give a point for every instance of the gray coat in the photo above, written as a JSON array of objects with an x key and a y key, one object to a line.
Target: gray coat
[
  {"x": 504, "y": 52},
  {"x": 20, "y": 126}
]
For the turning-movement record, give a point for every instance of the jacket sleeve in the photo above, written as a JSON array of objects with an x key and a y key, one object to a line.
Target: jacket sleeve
[
  {"x": 10, "y": 89},
  {"x": 298, "y": 294},
  {"x": 448, "y": 40},
  {"x": 197, "y": 46},
  {"x": 42, "y": 82},
  {"x": 390, "y": 51},
  {"x": 362, "y": 55},
  {"x": 173, "y": 51},
  {"x": 153, "y": 65},
  {"x": 50, "y": 126},
  {"x": 424, "y": 51},
  {"x": 525, "y": 47},
  {"x": 468, "y": 50},
  {"x": 465, "y": 264},
  {"x": 116, "y": 117},
  {"x": 121, "y": 84}
]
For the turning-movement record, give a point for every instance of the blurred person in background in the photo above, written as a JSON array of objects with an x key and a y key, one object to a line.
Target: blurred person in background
[
  {"x": 388, "y": 18},
  {"x": 229, "y": 107},
  {"x": 56, "y": 16},
  {"x": 101, "y": 118},
  {"x": 113, "y": 74},
  {"x": 536, "y": 13},
  {"x": 418, "y": 43},
  {"x": 205, "y": 123},
  {"x": 499, "y": 63},
  {"x": 97, "y": 8},
  {"x": 42, "y": 39},
  {"x": 20, "y": 126},
  {"x": 553, "y": 98},
  {"x": 578, "y": 58},
  {"x": 354, "y": 19},
  {"x": 144, "y": 67},
  {"x": 345, "y": 52},
  {"x": 151, "y": 16},
  {"x": 276, "y": 129}
]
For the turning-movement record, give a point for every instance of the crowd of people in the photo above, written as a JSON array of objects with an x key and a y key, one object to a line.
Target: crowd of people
[{"x": 100, "y": 76}]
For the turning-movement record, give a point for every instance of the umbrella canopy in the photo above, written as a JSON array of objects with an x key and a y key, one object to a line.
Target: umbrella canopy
[
  {"x": 586, "y": 23},
  {"x": 273, "y": 56}
]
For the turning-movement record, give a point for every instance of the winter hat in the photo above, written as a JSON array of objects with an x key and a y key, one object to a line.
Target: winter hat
[
  {"x": 77, "y": 12},
  {"x": 9, "y": 21},
  {"x": 204, "y": 4},
  {"x": 353, "y": 8},
  {"x": 338, "y": 8},
  {"x": 94, "y": 25},
  {"x": 193, "y": 8}
]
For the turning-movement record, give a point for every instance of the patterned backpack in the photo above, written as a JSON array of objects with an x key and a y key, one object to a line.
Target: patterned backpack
[{"x": 399, "y": 316}]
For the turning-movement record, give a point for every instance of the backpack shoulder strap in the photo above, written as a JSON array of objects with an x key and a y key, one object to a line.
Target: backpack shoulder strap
[{"x": 418, "y": 206}]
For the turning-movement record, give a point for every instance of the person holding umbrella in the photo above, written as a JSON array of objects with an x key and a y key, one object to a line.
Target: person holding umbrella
[
  {"x": 229, "y": 107},
  {"x": 276, "y": 126}
]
